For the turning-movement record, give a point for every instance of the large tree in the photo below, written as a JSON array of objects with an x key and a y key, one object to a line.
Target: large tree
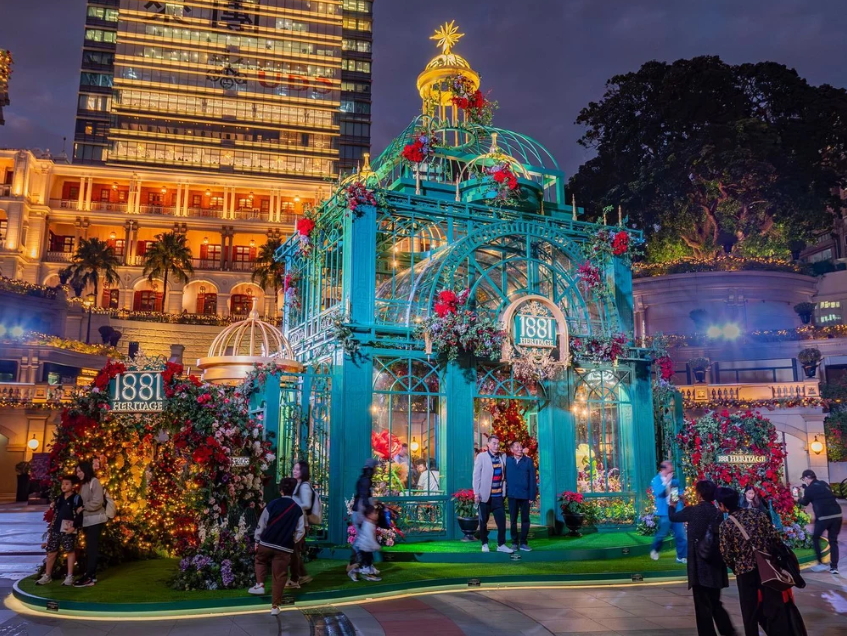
[
  {"x": 94, "y": 261},
  {"x": 168, "y": 256},
  {"x": 716, "y": 156},
  {"x": 269, "y": 272}
]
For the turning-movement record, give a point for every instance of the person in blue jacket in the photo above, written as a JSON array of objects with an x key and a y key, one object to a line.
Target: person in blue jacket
[
  {"x": 666, "y": 493},
  {"x": 521, "y": 491}
]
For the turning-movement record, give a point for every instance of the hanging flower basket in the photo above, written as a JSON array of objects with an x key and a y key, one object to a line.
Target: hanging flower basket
[
  {"x": 453, "y": 331},
  {"x": 505, "y": 187},
  {"x": 422, "y": 148},
  {"x": 477, "y": 108}
]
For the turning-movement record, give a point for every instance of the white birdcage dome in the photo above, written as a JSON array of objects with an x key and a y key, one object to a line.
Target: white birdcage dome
[{"x": 243, "y": 344}]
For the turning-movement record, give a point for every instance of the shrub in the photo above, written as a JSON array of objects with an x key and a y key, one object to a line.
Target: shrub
[
  {"x": 699, "y": 363},
  {"x": 804, "y": 308},
  {"x": 809, "y": 356}
]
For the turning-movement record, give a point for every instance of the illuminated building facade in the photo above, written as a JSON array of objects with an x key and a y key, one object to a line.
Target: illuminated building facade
[
  {"x": 356, "y": 66},
  {"x": 5, "y": 72},
  {"x": 224, "y": 86}
]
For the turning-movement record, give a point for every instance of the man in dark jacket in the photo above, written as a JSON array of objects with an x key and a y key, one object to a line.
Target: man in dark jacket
[
  {"x": 280, "y": 527},
  {"x": 828, "y": 518},
  {"x": 521, "y": 489},
  {"x": 706, "y": 578}
]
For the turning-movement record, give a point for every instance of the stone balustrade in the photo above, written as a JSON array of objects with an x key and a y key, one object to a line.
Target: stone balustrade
[{"x": 750, "y": 392}]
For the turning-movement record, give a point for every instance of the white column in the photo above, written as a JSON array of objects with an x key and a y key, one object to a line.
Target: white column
[
  {"x": 83, "y": 182},
  {"x": 88, "y": 192}
]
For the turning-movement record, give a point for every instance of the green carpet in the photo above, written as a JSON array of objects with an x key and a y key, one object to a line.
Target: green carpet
[
  {"x": 594, "y": 540},
  {"x": 146, "y": 581}
]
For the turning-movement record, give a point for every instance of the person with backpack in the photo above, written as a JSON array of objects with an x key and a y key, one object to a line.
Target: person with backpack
[
  {"x": 280, "y": 528},
  {"x": 706, "y": 569},
  {"x": 94, "y": 519},
  {"x": 309, "y": 501},
  {"x": 828, "y": 518}
]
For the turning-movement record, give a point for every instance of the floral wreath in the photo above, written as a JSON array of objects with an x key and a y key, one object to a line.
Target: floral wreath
[
  {"x": 452, "y": 331},
  {"x": 357, "y": 195},
  {"x": 477, "y": 108},
  {"x": 505, "y": 182},
  {"x": 422, "y": 148},
  {"x": 599, "y": 349}
]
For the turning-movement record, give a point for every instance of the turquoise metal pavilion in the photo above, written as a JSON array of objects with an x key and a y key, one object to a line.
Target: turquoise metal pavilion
[{"x": 370, "y": 280}]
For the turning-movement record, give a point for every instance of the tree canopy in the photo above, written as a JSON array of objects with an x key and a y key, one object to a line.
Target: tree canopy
[
  {"x": 706, "y": 156},
  {"x": 169, "y": 255},
  {"x": 94, "y": 261}
]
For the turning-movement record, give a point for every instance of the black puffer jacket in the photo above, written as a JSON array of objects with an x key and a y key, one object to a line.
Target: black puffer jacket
[
  {"x": 712, "y": 574},
  {"x": 823, "y": 501}
]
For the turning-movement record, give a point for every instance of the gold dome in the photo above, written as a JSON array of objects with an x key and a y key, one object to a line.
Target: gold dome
[
  {"x": 237, "y": 348},
  {"x": 432, "y": 82}
]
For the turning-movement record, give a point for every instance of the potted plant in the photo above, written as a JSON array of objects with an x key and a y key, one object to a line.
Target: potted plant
[
  {"x": 22, "y": 471},
  {"x": 810, "y": 358},
  {"x": 465, "y": 507},
  {"x": 575, "y": 510},
  {"x": 699, "y": 366},
  {"x": 805, "y": 310}
]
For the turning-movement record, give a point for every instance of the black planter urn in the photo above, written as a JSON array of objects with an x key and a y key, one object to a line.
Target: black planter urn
[
  {"x": 469, "y": 526},
  {"x": 805, "y": 317},
  {"x": 574, "y": 523},
  {"x": 699, "y": 375},
  {"x": 810, "y": 370}
]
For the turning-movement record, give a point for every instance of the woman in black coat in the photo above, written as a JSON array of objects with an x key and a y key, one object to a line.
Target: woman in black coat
[{"x": 705, "y": 578}]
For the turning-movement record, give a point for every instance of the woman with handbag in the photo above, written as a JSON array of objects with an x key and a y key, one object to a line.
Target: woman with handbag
[
  {"x": 747, "y": 541},
  {"x": 304, "y": 495},
  {"x": 93, "y": 520},
  {"x": 706, "y": 569}
]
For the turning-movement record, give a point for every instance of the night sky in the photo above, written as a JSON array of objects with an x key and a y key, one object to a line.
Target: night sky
[{"x": 543, "y": 60}]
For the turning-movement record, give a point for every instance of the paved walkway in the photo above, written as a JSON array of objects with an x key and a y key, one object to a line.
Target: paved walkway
[{"x": 633, "y": 609}]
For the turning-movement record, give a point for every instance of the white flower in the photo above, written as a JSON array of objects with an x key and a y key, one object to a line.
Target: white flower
[
  {"x": 269, "y": 457},
  {"x": 257, "y": 483},
  {"x": 263, "y": 467},
  {"x": 255, "y": 433}
]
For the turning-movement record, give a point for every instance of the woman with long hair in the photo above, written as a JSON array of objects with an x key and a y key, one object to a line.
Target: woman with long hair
[
  {"x": 304, "y": 495},
  {"x": 93, "y": 520}
]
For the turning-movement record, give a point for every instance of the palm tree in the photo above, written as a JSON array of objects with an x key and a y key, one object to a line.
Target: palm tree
[
  {"x": 93, "y": 261},
  {"x": 169, "y": 255},
  {"x": 269, "y": 272}
]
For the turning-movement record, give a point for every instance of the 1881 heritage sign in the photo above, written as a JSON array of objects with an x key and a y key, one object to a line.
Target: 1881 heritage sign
[
  {"x": 745, "y": 459},
  {"x": 137, "y": 392},
  {"x": 535, "y": 326}
]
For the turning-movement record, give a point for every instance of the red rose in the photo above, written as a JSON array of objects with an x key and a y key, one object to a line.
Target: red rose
[
  {"x": 620, "y": 244},
  {"x": 448, "y": 296}
]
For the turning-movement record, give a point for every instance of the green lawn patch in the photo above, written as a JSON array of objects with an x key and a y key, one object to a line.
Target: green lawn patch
[
  {"x": 146, "y": 581},
  {"x": 589, "y": 541}
]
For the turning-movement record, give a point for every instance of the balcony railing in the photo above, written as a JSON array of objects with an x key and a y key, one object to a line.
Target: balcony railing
[
  {"x": 207, "y": 213},
  {"x": 163, "y": 210},
  {"x": 13, "y": 393},
  {"x": 58, "y": 257},
  {"x": 206, "y": 263},
  {"x": 242, "y": 266},
  {"x": 251, "y": 215},
  {"x": 704, "y": 393}
]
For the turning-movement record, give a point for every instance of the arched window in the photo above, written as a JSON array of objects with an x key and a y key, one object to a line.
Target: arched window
[
  {"x": 406, "y": 411},
  {"x": 600, "y": 406}
]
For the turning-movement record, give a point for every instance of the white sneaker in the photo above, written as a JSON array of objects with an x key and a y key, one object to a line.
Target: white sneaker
[
  {"x": 683, "y": 560},
  {"x": 504, "y": 548},
  {"x": 833, "y": 570},
  {"x": 820, "y": 567},
  {"x": 274, "y": 611},
  {"x": 258, "y": 590},
  {"x": 69, "y": 580},
  {"x": 525, "y": 548},
  {"x": 485, "y": 547},
  {"x": 353, "y": 574},
  {"x": 654, "y": 555},
  {"x": 44, "y": 580}
]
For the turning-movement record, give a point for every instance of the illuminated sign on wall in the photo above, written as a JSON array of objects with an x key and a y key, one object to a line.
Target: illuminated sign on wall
[{"x": 829, "y": 312}]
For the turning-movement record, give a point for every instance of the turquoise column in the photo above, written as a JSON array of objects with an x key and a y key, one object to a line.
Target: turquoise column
[
  {"x": 351, "y": 419},
  {"x": 457, "y": 430},
  {"x": 556, "y": 449},
  {"x": 643, "y": 433}
]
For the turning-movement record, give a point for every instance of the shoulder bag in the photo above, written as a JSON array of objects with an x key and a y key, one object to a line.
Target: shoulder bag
[
  {"x": 770, "y": 573},
  {"x": 706, "y": 547}
]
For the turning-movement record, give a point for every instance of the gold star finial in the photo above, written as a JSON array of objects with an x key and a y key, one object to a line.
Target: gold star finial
[{"x": 447, "y": 35}]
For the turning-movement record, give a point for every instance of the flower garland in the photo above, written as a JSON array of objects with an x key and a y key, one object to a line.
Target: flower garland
[
  {"x": 344, "y": 336},
  {"x": 305, "y": 229},
  {"x": 422, "y": 148},
  {"x": 505, "y": 183},
  {"x": 835, "y": 431},
  {"x": 590, "y": 275},
  {"x": 533, "y": 368},
  {"x": 755, "y": 405},
  {"x": 599, "y": 349},
  {"x": 477, "y": 108},
  {"x": 606, "y": 244},
  {"x": 452, "y": 331},
  {"x": 290, "y": 290},
  {"x": 357, "y": 195}
]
